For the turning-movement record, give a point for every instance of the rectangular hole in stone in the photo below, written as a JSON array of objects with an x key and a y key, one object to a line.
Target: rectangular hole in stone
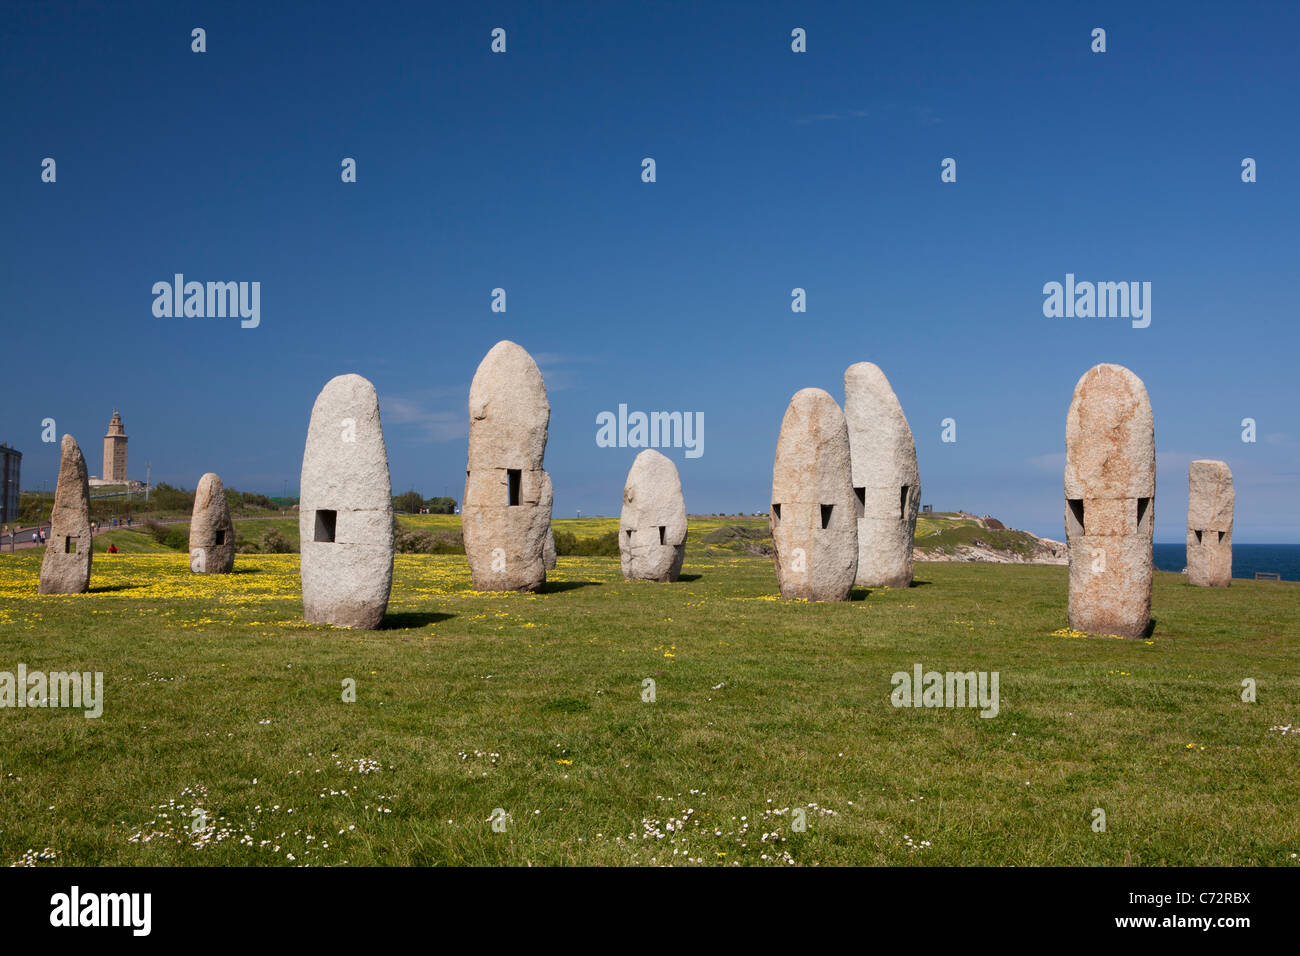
[
  {"x": 826, "y": 515},
  {"x": 860, "y": 504},
  {"x": 513, "y": 477},
  {"x": 662, "y": 530},
  {"x": 1221, "y": 537},
  {"x": 776, "y": 512},
  {"x": 221, "y": 536},
  {"x": 629, "y": 535},
  {"x": 1198, "y": 536},
  {"x": 69, "y": 545},
  {"x": 902, "y": 503},
  {"x": 326, "y": 521},
  {"x": 1143, "y": 505},
  {"x": 1076, "y": 510}
]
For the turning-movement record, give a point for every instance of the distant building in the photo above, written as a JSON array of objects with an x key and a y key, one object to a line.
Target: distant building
[
  {"x": 115, "y": 451},
  {"x": 927, "y": 509},
  {"x": 10, "y": 461}
]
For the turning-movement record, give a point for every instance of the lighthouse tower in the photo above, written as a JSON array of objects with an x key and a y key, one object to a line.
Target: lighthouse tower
[{"x": 115, "y": 451}]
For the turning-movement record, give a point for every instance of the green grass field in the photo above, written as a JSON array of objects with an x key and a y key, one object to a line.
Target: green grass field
[{"x": 219, "y": 698}]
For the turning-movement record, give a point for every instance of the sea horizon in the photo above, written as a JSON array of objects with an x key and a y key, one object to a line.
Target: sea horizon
[{"x": 1283, "y": 559}]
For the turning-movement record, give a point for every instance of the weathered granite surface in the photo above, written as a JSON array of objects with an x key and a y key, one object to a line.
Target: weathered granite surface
[
  {"x": 1110, "y": 487},
  {"x": 506, "y": 513},
  {"x": 1210, "y": 504},
  {"x": 65, "y": 568},
  {"x": 212, "y": 535},
  {"x": 886, "y": 480},
  {"x": 345, "y": 513},
  {"x": 652, "y": 527},
  {"x": 813, "y": 516}
]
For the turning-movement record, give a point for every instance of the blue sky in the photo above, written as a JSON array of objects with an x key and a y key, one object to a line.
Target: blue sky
[{"x": 775, "y": 170}]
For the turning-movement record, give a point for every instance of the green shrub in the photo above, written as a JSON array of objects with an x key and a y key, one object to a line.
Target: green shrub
[
  {"x": 408, "y": 540},
  {"x": 241, "y": 500},
  {"x": 164, "y": 497},
  {"x": 274, "y": 542},
  {"x": 566, "y": 542},
  {"x": 602, "y": 545},
  {"x": 448, "y": 542}
]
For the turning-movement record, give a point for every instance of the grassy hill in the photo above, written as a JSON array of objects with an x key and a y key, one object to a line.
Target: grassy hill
[
  {"x": 955, "y": 536},
  {"x": 938, "y": 536}
]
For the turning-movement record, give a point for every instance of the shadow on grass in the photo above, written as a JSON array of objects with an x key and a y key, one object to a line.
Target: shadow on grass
[
  {"x": 555, "y": 587},
  {"x": 107, "y": 588},
  {"x": 689, "y": 577},
  {"x": 409, "y": 620},
  {"x": 861, "y": 594}
]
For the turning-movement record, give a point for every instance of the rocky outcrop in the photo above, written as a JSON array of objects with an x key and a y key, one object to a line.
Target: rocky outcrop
[{"x": 959, "y": 537}]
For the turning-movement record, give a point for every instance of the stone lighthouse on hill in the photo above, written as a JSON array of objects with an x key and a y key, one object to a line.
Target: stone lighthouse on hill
[{"x": 115, "y": 451}]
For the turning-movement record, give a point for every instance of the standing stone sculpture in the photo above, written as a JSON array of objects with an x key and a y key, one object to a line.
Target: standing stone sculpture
[
  {"x": 65, "y": 569},
  {"x": 506, "y": 513},
  {"x": 345, "y": 512},
  {"x": 886, "y": 481},
  {"x": 1110, "y": 488},
  {"x": 813, "y": 517},
  {"x": 548, "y": 549},
  {"x": 652, "y": 528},
  {"x": 1210, "y": 502},
  {"x": 212, "y": 536}
]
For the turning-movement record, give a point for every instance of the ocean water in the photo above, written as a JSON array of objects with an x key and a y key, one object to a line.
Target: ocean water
[{"x": 1246, "y": 559}]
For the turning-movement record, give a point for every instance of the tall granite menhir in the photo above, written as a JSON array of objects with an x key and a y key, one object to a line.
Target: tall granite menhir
[
  {"x": 652, "y": 527},
  {"x": 212, "y": 536},
  {"x": 813, "y": 517},
  {"x": 506, "y": 513},
  {"x": 1110, "y": 488},
  {"x": 1210, "y": 502},
  {"x": 548, "y": 547},
  {"x": 65, "y": 568},
  {"x": 886, "y": 481},
  {"x": 345, "y": 512}
]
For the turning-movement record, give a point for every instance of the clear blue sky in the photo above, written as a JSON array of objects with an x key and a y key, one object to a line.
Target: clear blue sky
[{"x": 775, "y": 170}]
